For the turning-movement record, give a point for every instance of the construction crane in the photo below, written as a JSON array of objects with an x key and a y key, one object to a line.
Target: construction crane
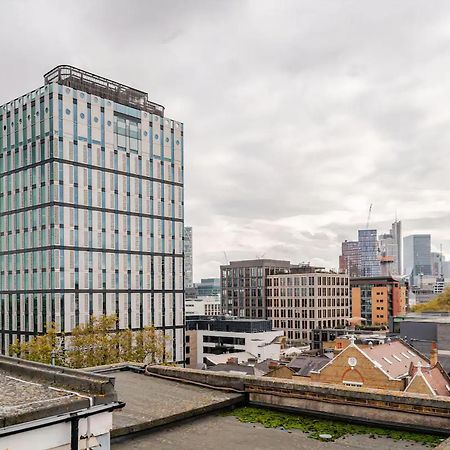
[
  {"x": 226, "y": 257},
  {"x": 368, "y": 217}
]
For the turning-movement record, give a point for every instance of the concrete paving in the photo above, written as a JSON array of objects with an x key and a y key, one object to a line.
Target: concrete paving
[
  {"x": 152, "y": 402},
  {"x": 227, "y": 433}
]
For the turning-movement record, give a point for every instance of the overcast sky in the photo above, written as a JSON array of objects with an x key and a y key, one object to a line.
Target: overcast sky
[{"x": 298, "y": 114}]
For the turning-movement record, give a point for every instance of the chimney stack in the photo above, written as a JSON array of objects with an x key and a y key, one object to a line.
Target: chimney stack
[{"x": 433, "y": 354}]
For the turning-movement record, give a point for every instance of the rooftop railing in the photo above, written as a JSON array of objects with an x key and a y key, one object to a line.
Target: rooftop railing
[{"x": 102, "y": 87}]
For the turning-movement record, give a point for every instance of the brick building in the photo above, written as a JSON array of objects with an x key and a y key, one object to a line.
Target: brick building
[
  {"x": 376, "y": 299},
  {"x": 391, "y": 366}
]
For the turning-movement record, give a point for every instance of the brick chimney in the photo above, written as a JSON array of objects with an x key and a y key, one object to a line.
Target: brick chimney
[
  {"x": 232, "y": 360},
  {"x": 433, "y": 354}
]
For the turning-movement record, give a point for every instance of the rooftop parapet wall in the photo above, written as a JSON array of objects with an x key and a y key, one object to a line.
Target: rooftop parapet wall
[
  {"x": 98, "y": 386},
  {"x": 420, "y": 412}
]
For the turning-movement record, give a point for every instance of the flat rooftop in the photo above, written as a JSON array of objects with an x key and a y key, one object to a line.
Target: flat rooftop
[
  {"x": 424, "y": 317},
  {"x": 228, "y": 433},
  {"x": 20, "y": 397},
  {"x": 103, "y": 87},
  {"x": 152, "y": 401},
  {"x": 31, "y": 391}
]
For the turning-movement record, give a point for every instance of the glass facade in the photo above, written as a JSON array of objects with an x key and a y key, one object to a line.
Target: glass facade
[
  {"x": 369, "y": 263},
  {"x": 91, "y": 215},
  {"x": 417, "y": 256}
]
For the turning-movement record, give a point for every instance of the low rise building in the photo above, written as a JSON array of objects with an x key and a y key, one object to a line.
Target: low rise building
[
  {"x": 326, "y": 339},
  {"x": 46, "y": 407},
  {"x": 207, "y": 336},
  {"x": 394, "y": 366},
  {"x": 421, "y": 330},
  {"x": 203, "y": 306},
  {"x": 305, "y": 298},
  {"x": 375, "y": 299}
]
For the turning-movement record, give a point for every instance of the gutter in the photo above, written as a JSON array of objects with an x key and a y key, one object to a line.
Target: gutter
[{"x": 72, "y": 417}]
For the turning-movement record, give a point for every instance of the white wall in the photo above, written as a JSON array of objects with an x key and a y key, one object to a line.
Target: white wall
[
  {"x": 58, "y": 436},
  {"x": 255, "y": 343}
]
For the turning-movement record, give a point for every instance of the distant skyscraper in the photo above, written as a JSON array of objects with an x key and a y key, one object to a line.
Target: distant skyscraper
[
  {"x": 390, "y": 250},
  {"x": 188, "y": 263},
  {"x": 369, "y": 263},
  {"x": 417, "y": 255},
  {"x": 349, "y": 259}
]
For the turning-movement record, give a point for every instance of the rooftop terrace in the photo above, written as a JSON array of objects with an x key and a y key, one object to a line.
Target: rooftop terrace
[{"x": 96, "y": 85}]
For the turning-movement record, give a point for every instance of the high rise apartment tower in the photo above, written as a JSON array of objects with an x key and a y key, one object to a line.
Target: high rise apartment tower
[{"x": 91, "y": 209}]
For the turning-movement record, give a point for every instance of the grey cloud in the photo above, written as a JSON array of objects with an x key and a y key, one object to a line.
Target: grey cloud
[{"x": 298, "y": 114}]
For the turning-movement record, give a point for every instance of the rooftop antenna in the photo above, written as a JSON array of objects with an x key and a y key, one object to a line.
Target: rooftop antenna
[
  {"x": 368, "y": 217},
  {"x": 226, "y": 257}
]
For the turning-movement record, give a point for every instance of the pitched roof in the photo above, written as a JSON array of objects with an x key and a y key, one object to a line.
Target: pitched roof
[
  {"x": 435, "y": 378},
  {"x": 248, "y": 370},
  {"x": 267, "y": 365},
  {"x": 394, "y": 357},
  {"x": 242, "y": 357},
  {"x": 303, "y": 365}
]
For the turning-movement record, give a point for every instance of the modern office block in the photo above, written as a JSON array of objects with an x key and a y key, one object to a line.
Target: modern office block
[
  {"x": 369, "y": 262},
  {"x": 302, "y": 300},
  {"x": 417, "y": 256},
  {"x": 243, "y": 286},
  {"x": 390, "y": 250},
  {"x": 91, "y": 209}
]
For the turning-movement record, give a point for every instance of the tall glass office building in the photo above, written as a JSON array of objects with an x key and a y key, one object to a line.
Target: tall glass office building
[
  {"x": 91, "y": 209},
  {"x": 417, "y": 256},
  {"x": 369, "y": 262}
]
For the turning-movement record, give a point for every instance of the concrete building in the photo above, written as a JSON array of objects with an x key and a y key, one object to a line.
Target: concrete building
[
  {"x": 243, "y": 286},
  {"x": 91, "y": 209},
  {"x": 417, "y": 257},
  {"x": 206, "y": 305},
  {"x": 188, "y": 258},
  {"x": 376, "y": 299},
  {"x": 223, "y": 335},
  {"x": 305, "y": 299},
  {"x": 421, "y": 330},
  {"x": 44, "y": 407},
  {"x": 369, "y": 261},
  {"x": 349, "y": 258}
]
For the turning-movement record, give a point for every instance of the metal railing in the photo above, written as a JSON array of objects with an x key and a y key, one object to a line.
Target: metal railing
[{"x": 96, "y": 85}]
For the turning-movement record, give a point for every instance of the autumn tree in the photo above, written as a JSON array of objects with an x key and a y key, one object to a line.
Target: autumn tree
[
  {"x": 47, "y": 348},
  {"x": 440, "y": 303},
  {"x": 95, "y": 343}
]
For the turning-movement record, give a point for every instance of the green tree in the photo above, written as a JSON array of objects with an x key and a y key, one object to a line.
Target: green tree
[
  {"x": 95, "y": 343},
  {"x": 47, "y": 348}
]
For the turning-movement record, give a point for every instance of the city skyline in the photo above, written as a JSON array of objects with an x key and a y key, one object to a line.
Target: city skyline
[{"x": 338, "y": 125}]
